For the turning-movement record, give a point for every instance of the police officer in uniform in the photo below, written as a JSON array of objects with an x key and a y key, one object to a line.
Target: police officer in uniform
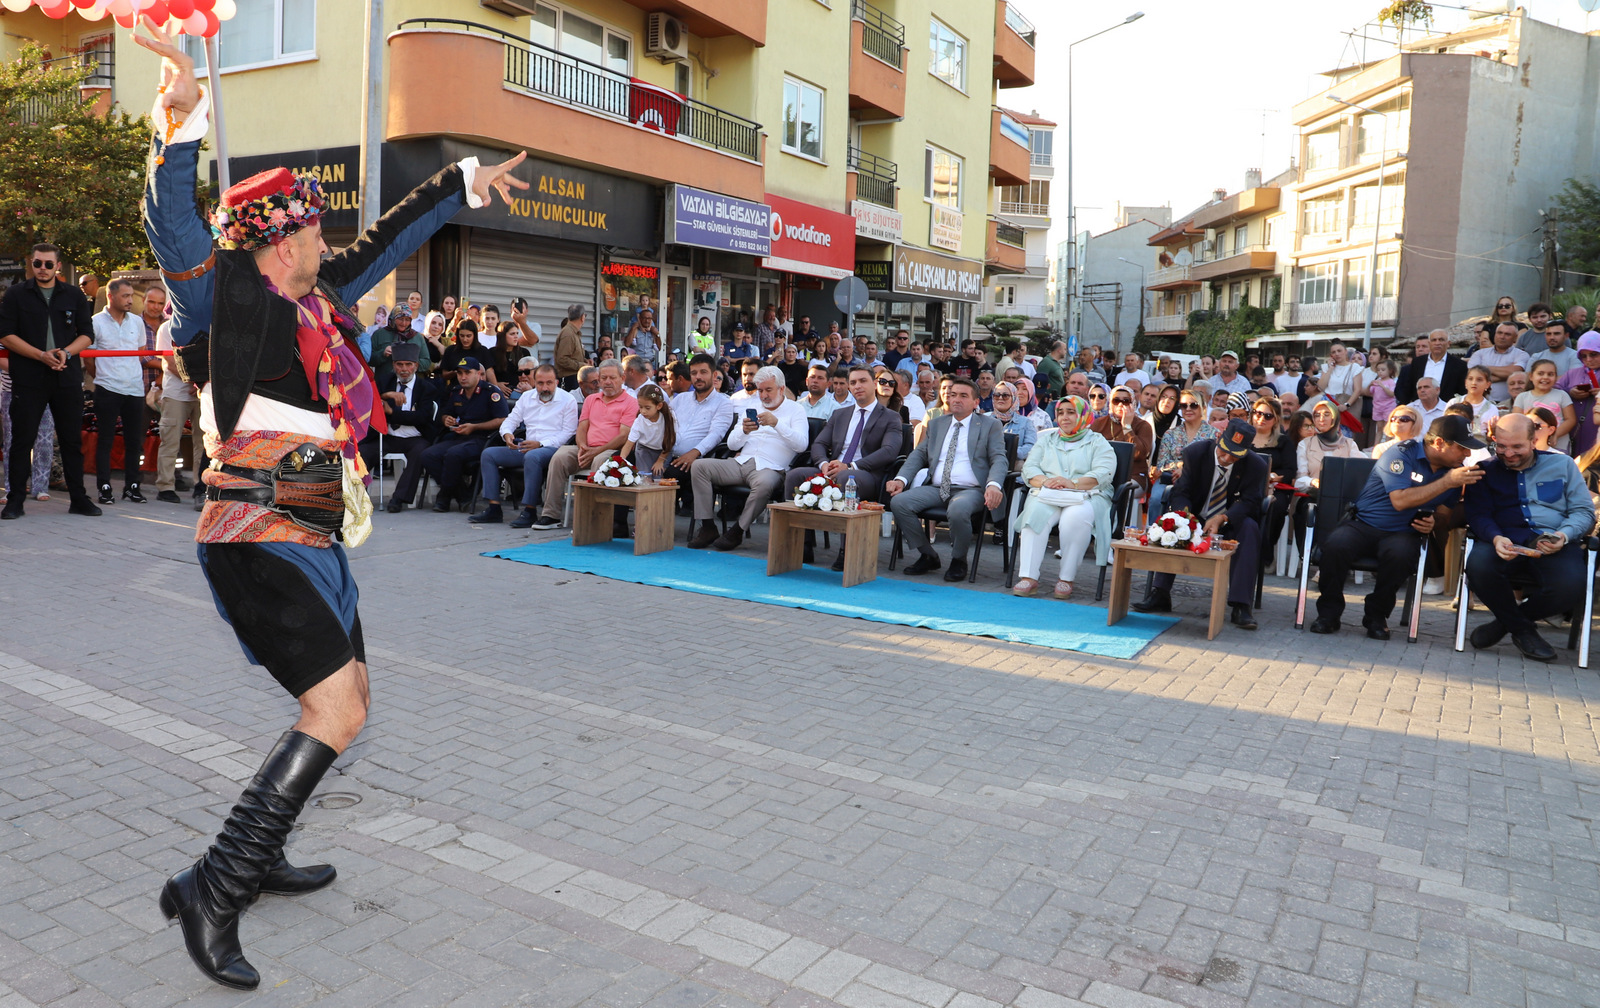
[
  {"x": 471, "y": 412},
  {"x": 1411, "y": 476}
]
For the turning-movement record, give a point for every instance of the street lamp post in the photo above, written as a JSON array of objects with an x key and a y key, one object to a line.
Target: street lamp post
[
  {"x": 1072, "y": 208},
  {"x": 1130, "y": 262},
  {"x": 1377, "y": 216}
]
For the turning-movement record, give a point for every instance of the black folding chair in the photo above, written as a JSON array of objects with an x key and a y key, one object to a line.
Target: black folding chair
[
  {"x": 1341, "y": 483},
  {"x": 1124, "y": 498}
]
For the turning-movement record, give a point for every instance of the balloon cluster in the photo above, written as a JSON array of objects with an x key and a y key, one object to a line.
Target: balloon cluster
[{"x": 201, "y": 18}]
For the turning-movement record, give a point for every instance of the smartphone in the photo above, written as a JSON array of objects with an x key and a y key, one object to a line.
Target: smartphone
[
  {"x": 519, "y": 304},
  {"x": 750, "y": 415},
  {"x": 1582, "y": 388},
  {"x": 1423, "y": 513}
]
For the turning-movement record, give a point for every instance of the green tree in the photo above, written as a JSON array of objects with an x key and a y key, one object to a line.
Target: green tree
[
  {"x": 68, "y": 176},
  {"x": 1211, "y": 332},
  {"x": 1578, "y": 219}
]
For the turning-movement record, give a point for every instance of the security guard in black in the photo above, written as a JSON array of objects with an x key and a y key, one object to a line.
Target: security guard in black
[
  {"x": 44, "y": 326},
  {"x": 471, "y": 412}
]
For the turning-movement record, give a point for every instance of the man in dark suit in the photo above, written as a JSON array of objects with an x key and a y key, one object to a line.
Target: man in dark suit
[
  {"x": 965, "y": 455},
  {"x": 1432, "y": 354},
  {"x": 1223, "y": 484},
  {"x": 411, "y": 404},
  {"x": 859, "y": 441}
]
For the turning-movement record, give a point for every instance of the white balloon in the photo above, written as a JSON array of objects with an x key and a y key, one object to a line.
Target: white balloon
[
  {"x": 224, "y": 9},
  {"x": 16, "y": 6}
]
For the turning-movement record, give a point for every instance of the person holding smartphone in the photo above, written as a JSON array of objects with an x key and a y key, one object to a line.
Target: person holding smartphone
[{"x": 1527, "y": 516}]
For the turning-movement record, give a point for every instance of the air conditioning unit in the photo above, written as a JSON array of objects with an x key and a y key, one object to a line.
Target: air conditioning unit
[
  {"x": 512, "y": 8},
  {"x": 665, "y": 39}
]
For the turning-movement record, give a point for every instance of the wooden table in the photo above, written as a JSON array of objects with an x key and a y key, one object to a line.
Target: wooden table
[
  {"x": 652, "y": 514},
  {"x": 786, "y": 544},
  {"x": 1128, "y": 556}
]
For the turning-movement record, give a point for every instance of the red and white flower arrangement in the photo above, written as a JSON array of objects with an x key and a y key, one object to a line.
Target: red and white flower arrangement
[
  {"x": 819, "y": 493},
  {"x": 614, "y": 472},
  {"x": 1176, "y": 530}
]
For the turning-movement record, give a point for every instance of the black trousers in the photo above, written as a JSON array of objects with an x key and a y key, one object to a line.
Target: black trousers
[
  {"x": 1396, "y": 553},
  {"x": 62, "y": 393},
  {"x": 108, "y": 408},
  {"x": 1549, "y": 584},
  {"x": 405, "y": 487},
  {"x": 1246, "y": 563}
]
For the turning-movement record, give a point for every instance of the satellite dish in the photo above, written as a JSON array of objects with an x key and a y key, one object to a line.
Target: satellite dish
[
  {"x": 1589, "y": 5},
  {"x": 1185, "y": 257}
]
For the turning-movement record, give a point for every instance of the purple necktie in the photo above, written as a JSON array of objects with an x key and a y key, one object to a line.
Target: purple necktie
[{"x": 860, "y": 421}]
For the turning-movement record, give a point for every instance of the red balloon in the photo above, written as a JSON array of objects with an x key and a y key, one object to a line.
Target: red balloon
[
  {"x": 126, "y": 20},
  {"x": 180, "y": 9},
  {"x": 57, "y": 10},
  {"x": 212, "y": 24},
  {"x": 204, "y": 5},
  {"x": 82, "y": 4},
  {"x": 158, "y": 12}
]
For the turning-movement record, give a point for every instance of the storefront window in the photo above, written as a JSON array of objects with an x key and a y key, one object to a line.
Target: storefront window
[{"x": 625, "y": 288}]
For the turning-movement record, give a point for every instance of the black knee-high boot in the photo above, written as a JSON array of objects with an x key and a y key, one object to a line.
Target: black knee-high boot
[{"x": 208, "y": 896}]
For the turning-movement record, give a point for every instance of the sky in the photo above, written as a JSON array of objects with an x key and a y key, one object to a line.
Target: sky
[{"x": 1186, "y": 99}]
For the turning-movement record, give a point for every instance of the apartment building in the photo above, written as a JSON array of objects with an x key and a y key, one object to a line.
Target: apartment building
[
  {"x": 1472, "y": 134},
  {"x": 1019, "y": 225},
  {"x": 695, "y": 152}
]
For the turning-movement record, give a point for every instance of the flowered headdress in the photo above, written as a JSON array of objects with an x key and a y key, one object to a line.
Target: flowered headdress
[{"x": 265, "y": 209}]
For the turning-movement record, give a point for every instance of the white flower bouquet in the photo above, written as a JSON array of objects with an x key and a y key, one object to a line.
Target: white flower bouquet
[
  {"x": 819, "y": 494},
  {"x": 614, "y": 472}
]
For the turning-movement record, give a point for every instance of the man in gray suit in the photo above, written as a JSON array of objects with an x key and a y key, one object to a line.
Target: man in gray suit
[
  {"x": 859, "y": 441},
  {"x": 968, "y": 460}
]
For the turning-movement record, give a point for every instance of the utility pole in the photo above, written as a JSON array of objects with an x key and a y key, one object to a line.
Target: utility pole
[{"x": 1549, "y": 273}]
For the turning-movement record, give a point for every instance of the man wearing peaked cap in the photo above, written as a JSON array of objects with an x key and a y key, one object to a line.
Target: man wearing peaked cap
[
  {"x": 261, "y": 323},
  {"x": 1223, "y": 484},
  {"x": 472, "y": 411},
  {"x": 1424, "y": 475}
]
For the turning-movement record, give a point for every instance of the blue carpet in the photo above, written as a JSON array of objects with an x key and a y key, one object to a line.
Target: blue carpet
[{"x": 1041, "y": 621}]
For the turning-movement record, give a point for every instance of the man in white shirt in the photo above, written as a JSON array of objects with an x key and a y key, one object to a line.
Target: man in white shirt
[
  {"x": 916, "y": 409},
  {"x": 636, "y": 373},
  {"x": 1132, "y": 374},
  {"x": 1228, "y": 379},
  {"x": 746, "y": 392},
  {"x": 701, "y": 417},
  {"x": 817, "y": 401},
  {"x": 1428, "y": 405},
  {"x": 548, "y": 415},
  {"x": 1502, "y": 359},
  {"x": 1287, "y": 379},
  {"x": 118, "y": 391},
  {"x": 1019, "y": 357},
  {"x": 179, "y": 405},
  {"x": 766, "y": 437}
]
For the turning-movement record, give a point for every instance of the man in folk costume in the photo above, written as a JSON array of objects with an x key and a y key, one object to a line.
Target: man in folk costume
[{"x": 261, "y": 323}]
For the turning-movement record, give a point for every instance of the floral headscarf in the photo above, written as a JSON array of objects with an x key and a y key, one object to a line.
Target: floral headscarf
[
  {"x": 1005, "y": 417},
  {"x": 1085, "y": 417}
]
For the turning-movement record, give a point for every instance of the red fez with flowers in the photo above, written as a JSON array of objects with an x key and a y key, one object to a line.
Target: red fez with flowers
[{"x": 266, "y": 208}]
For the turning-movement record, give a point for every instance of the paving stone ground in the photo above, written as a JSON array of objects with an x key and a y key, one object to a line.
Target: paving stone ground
[{"x": 577, "y": 791}]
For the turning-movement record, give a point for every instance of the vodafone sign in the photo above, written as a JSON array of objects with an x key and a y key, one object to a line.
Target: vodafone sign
[{"x": 809, "y": 240}]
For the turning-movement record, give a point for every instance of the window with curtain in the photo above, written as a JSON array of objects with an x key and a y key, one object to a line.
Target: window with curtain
[{"x": 948, "y": 56}]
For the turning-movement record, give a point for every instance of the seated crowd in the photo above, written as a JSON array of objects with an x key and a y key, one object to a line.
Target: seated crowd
[{"x": 924, "y": 428}]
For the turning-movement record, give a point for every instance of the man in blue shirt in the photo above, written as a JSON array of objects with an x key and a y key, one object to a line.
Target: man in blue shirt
[
  {"x": 739, "y": 348},
  {"x": 1527, "y": 516},
  {"x": 1411, "y": 476}
]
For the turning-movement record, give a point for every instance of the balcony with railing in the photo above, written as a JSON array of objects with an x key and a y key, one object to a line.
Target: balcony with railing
[
  {"x": 97, "y": 62},
  {"x": 1349, "y": 311},
  {"x": 1009, "y": 152},
  {"x": 1172, "y": 278},
  {"x": 1032, "y": 215},
  {"x": 1236, "y": 262},
  {"x": 1014, "y": 38},
  {"x": 508, "y": 92},
  {"x": 1003, "y": 252},
  {"x": 873, "y": 178},
  {"x": 1166, "y": 324},
  {"x": 877, "y": 62}
]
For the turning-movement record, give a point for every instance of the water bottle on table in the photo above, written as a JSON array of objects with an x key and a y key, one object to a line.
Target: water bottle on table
[{"x": 851, "y": 501}]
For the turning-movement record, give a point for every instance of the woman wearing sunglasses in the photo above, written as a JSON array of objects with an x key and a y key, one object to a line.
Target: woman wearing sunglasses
[
  {"x": 1100, "y": 399},
  {"x": 1190, "y": 426},
  {"x": 1403, "y": 423},
  {"x": 889, "y": 393},
  {"x": 1122, "y": 423}
]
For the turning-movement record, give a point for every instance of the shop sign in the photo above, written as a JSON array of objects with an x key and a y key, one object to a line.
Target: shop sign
[
  {"x": 623, "y": 269},
  {"x": 809, "y": 240},
  {"x": 944, "y": 227},
  {"x": 561, "y": 201},
  {"x": 923, "y": 273},
  {"x": 876, "y": 222},
  {"x": 714, "y": 221},
  {"x": 876, "y": 274},
  {"x": 336, "y": 169}
]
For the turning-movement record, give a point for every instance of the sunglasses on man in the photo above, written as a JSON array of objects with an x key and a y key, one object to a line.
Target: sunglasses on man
[{"x": 44, "y": 264}]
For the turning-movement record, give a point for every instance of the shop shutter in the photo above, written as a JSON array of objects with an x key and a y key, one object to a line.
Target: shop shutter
[
  {"x": 550, "y": 274},
  {"x": 405, "y": 278}
]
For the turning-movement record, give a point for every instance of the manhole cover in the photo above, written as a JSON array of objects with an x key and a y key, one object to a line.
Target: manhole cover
[{"x": 336, "y": 800}]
